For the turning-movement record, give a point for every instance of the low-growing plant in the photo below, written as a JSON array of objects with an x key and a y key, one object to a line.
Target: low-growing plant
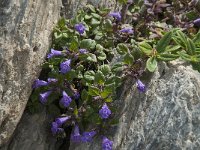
[{"x": 92, "y": 54}]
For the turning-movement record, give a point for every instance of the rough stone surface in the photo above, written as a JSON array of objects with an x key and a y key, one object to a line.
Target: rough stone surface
[
  {"x": 166, "y": 117},
  {"x": 25, "y": 28}
]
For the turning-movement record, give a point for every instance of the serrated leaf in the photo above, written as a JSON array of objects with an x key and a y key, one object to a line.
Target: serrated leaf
[
  {"x": 95, "y": 22},
  {"x": 105, "y": 69},
  {"x": 93, "y": 91},
  {"x": 88, "y": 44},
  {"x": 128, "y": 59},
  {"x": 122, "y": 49},
  {"x": 164, "y": 42},
  {"x": 117, "y": 67},
  {"x": 99, "y": 77},
  {"x": 89, "y": 75},
  {"x": 151, "y": 64},
  {"x": 91, "y": 57},
  {"x": 99, "y": 47},
  {"x": 145, "y": 47},
  {"x": 101, "y": 55}
]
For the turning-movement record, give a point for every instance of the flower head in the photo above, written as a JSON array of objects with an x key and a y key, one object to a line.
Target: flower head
[
  {"x": 127, "y": 30},
  {"x": 52, "y": 80},
  {"x": 54, "y": 53},
  {"x": 104, "y": 112},
  {"x": 65, "y": 100},
  {"x": 65, "y": 66},
  {"x": 140, "y": 86},
  {"x": 55, "y": 128},
  {"x": 38, "y": 83},
  {"x": 87, "y": 136},
  {"x": 107, "y": 144},
  {"x": 62, "y": 120},
  {"x": 197, "y": 22},
  {"x": 44, "y": 96},
  {"x": 83, "y": 51},
  {"x": 80, "y": 28},
  {"x": 75, "y": 135},
  {"x": 116, "y": 15},
  {"x": 76, "y": 95}
]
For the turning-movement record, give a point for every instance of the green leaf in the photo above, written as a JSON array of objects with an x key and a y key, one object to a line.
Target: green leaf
[
  {"x": 128, "y": 59},
  {"x": 108, "y": 100},
  {"x": 71, "y": 75},
  {"x": 185, "y": 56},
  {"x": 95, "y": 22},
  {"x": 84, "y": 95},
  {"x": 105, "y": 69},
  {"x": 96, "y": 15},
  {"x": 117, "y": 67},
  {"x": 101, "y": 55},
  {"x": 99, "y": 77},
  {"x": 91, "y": 7},
  {"x": 197, "y": 38},
  {"x": 182, "y": 38},
  {"x": 91, "y": 57},
  {"x": 164, "y": 42},
  {"x": 61, "y": 23},
  {"x": 108, "y": 25},
  {"x": 122, "y": 49},
  {"x": 151, "y": 64},
  {"x": 74, "y": 45},
  {"x": 93, "y": 91},
  {"x": 88, "y": 44},
  {"x": 89, "y": 75},
  {"x": 172, "y": 48},
  {"x": 145, "y": 47},
  {"x": 87, "y": 17},
  {"x": 99, "y": 47},
  {"x": 123, "y": 1},
  {"x": 191, "y": 47},
  {"x": 167, "y": 57}
]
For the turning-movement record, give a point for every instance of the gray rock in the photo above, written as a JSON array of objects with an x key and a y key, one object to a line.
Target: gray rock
[
  {"x": 25, "y": 28},
  {"x": 25, "y": 37},
  {"x": 166, "y": 117}
]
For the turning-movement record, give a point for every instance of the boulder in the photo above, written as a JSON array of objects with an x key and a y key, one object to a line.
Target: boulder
[
  {"x": 166, "y": 117},
  {"x": 25, "y": 35}
]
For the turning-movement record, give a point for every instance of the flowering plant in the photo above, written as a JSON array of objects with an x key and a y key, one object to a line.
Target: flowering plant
[{"x": 91, "y": 56}]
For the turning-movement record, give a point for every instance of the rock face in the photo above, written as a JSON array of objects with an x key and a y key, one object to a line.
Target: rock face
[
  {"x": 25, "y": 36},
  {"x": 25, "y": 28},
  {"x": 166, "y": 117}
]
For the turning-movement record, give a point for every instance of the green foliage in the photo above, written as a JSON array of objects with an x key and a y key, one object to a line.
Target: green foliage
[{"x": 110, "y": 56}]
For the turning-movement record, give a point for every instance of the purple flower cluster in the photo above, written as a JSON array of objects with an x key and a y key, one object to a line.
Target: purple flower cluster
[
  {"x": 65, "y": 66},
  {"x": 38, "y": 83},
  {"x": 197, "y": 22},
  {"x": 116, "y": 15},
  {"x": 80, "y": 28},
  {"x": 56, "y": 126},
  {"x": 104, "y": 112},
  {"x": 65, "y": 100},
  {"x": 44, "y": 96},
  {"x": 83, "y": 51},
  {"x": 127, "y": 30},
  {"x": 85, "y": 137},
  {"x": 54, "y": 53},
  {"x": 140, "y": 86},
  {"x": 107, "y": 144}
]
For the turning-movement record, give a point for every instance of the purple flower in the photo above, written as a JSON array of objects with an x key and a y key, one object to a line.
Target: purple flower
[
  {"x": 75, "y": 135},
  {"x": 65, "y": 66},
  {"x": 76, "y": 95},
  {"x": 83, "y": 51},
  {"x": 80, "y": 28},
  {"x": 54, "y": 53},
  {"x": 104, "y": 112},
  {"x": 87, "y": 136},
  {"x": 62, "y": 120},
  {"x": 116, "y": 15},
  {"x": 52, "y": 80},
  {"x": 38, "y": 83},
  {"x": 140, "y": 86},
  {"x": 44, "y": 96},
  {"x": 107, "y": 144},
  {"x": 197, "y": 22},
  {"x": 127, "y": 30},
  {"x": 55, "y": 128},
  {"x": 66, "y": 100}
]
